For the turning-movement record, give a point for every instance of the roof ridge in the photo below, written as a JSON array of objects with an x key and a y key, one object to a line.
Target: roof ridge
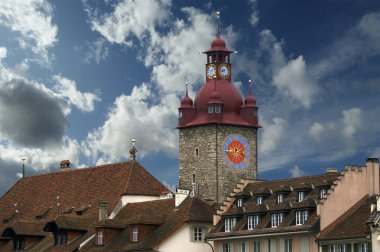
[
  {"x": 296, "y": 178},
  {"x": 77, "y": 169}
]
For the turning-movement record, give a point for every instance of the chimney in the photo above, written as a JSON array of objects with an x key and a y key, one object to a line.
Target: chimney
[
  {"x": 103, "y": 210},
  {"x": 64, "y": 165},
  {"x": 180, "y": 196}
]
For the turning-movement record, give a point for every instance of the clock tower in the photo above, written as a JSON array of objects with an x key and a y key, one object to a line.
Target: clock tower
[{"x": 217, "y": 132}]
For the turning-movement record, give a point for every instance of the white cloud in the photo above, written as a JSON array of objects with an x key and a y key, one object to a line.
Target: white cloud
[
  {"x": 130, "y": 17},
  {"x": 33, "y": 21},
  {"x": 296, "y": 172},
  {"x": 97, "y": 51},
  {"x": 254, "y": 18},
  {"x": 68, "y": 89},
  {"x": 132, "y": 117},
  {"x": 337, "y": 138},
  {"x": 3, "y": 53},
  {"x": 295, "y": 82},
  {"x": 273, "y": 135}
]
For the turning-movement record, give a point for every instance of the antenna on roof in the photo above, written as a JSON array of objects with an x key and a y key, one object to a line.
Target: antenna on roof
[
  {"x": 218, "y": 23},
  {"x": 132, "y": 151}
]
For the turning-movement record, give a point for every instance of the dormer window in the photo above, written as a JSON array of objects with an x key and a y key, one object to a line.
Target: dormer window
[
  {"x": 300, "y": 196},
  {"x": 301, "y": 217},
  {"x": 60, "y": 238},
  {"x": 322, "y": 193},
  {"x": 259, "y": 200},
  {"x": 135, "y": 233},
  {"x": 19, "y": 243},
  {"x": 210, "y": 109},
  {"x": 239, "y": 203},
  {"x": 180, "y": 114},
  {"x": 253, "y": 221},
  {"x": 280, "y": 198},
  {"x": 277, "y": 219},
  {"x": 100, "y": 238},
  {"x": 229, "y": 224}
]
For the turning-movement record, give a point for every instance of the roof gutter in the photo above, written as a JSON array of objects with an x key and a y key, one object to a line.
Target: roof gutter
[{"x": 256, "y": 235}]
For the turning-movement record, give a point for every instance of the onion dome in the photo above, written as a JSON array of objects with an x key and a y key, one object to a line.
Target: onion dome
[
  {"x": 215, "y": 98},
  {"x": 186, "y": 101},
  {"x": 218, "y": 44}
]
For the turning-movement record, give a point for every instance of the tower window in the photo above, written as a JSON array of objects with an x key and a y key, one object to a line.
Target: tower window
[
  {"x": 217, "y": 109},
  {"x": 210, "y": 109},
  {"x": 180, "y": 114},
  {"x": 196, "y": 153}
]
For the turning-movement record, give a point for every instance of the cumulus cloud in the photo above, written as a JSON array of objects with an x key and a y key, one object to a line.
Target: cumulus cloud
[
  {"x": 33, "y": 21},
  {"x": 68, "y": 89},
  {"x": 337, "y": 137},
  {"x": 296, "y": 172},
  {"x": 132, "y": 117},
  {"x": 130, "y": 17},
  {"x": 273, "y": 135},
  {"x": 30, "y": 116}
]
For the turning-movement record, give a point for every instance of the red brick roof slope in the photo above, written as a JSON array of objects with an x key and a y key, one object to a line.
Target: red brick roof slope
[
  {"x": 192, "y": 209},
  {"x": 352, "y": 224},
  {"x": 78, "y": 188}
]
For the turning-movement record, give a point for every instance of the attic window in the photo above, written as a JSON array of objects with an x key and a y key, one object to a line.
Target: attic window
[
  {"x": 135, "y": 233},
  {"x": 229, "y": 224},
  {"x": 197, "y": 233},
  {"x": 259, "y": 200},
  {"x": 301, "y": 217},
  {"x": 19, "y": 243},
  {"x": 100, "y": 238},
  {"x": 277, "y": 219},
  {"x": 239, "y": 202},
  {"x": 300, "y": 196},
  {"x": 280, "y": 198},
  {"x": 60, "y": 238},
  {"x": 253, "y": 221},
  {"x": 322, "y": 193}
]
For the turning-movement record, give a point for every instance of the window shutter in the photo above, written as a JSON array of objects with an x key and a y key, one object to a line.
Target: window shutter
[{"x": 192, "y": 238}]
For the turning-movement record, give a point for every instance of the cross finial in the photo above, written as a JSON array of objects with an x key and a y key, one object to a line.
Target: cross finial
[{"x": 218, "y": 23}]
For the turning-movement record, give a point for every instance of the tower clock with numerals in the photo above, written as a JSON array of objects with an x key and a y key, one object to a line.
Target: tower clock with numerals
[{"x": 217, "y": 131}]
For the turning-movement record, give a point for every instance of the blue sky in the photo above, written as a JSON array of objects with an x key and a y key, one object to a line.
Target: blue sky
[{"x": 80, "y": 79}]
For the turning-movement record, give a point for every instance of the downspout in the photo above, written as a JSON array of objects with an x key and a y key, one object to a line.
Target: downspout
[{"x": 210, "y": 245}]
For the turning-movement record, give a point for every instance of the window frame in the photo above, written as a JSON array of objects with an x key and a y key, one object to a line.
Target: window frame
[
  {"x": 288, "y": 245},
  {"x": 210, "y": 109},
  {"x": 19, "y": 243},
  {"x": 60, "y": 238},
  {"x": 301, "y": 217},
  {"x": 243, "y": 246},
  {"x": 227, "y": 247},
  {"x": 218, "y": 109},
  {"x": 229, "y": 224},
  {"x": 280, "y": 198},
  {"x": 239, "y": 202},
  {"x": 277, "y": 219},
  {"x": 100, "y": 237},
  {"x": 135, "y": 233},
  {"x": 300, "y": 196},
  {"x": 259, "y": 200},
  {"x": 257, "y": 246}
]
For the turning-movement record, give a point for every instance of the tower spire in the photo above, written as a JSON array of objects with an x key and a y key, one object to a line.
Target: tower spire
[
  {"x": 132, "y": 151},
  {"x": 186, "y": 84},
  {"x": 249, "y": 87},
  {"x": 218, "y": 23}
]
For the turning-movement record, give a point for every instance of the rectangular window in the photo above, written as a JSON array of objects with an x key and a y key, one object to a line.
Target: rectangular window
[
  {"x": 243, "y": 247},
  {"x": 253, "y": 221},
  {"x": 280, "y": 198},
  {"x": 288, "y": 245},
  {"x": 301, "y": 196},
  {"x": 180, "y": 114},
  {"x": 135, "y": 233},
  {"x": 217, "y": 109},
  {"x": 301, "y": 217},
  {"x": 257, "y": 246},
  {"x": 259, "y": 200},
  {"x": 197, "y": 232},
  {"x": 322, "y": 193},
  {"x": 19, "y": 244},
  {"x": 227, "y": 247},
  {"x": 277, "y": 219},
  {"x": 363, "y": 247},
  {"x": 333, "y": 248},
  {"x": 210, "y": 110},
  {"x": 239, "y": 202},
  {"x": 229, "y": 224},
  {"x": 60, "y": 238},
  {"x": 100, "y": 238}
]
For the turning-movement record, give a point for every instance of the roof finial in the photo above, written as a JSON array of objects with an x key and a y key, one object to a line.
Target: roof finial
[
  {"x": 23, "y": 158},
  {"x": 132, "y": 151},
  {"x": 250, "y": 87},
  {"x": 218, "y": 23},
  {"x": 187, "y": 83}
]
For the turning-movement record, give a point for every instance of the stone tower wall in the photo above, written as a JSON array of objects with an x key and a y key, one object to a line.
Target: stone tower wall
[{"x": 201, "y": 154}]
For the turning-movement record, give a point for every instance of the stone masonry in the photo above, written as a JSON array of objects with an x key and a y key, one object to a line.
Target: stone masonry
[{"x": 202, "y": 164}]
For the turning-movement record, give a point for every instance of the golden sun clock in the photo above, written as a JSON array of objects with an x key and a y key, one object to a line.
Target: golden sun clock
[{"x": 236, "y": 152}]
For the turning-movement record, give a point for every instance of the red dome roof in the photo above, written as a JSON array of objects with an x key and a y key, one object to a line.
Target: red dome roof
[
  {"x": 186, "y": 102},
  {"x": 250, "y": 101},
  {"x": 214, "y": 98},
  {"x": 218, "y": 44}
]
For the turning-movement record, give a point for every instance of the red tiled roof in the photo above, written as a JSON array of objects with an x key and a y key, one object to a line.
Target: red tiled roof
[
  {"x": 352, "y": 224},
  {"x": 31, "y": 196}
]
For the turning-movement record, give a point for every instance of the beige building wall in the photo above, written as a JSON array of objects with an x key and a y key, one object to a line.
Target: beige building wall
[
  {"x": 300, "y": 243},
  {"x": 353, "y": 185}
]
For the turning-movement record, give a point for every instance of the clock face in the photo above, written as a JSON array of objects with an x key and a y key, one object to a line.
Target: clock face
[
  {"x": 224, "y": 71},
  {"x": 211, "y": 71},
  {"x": 236, "y": 152}
]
